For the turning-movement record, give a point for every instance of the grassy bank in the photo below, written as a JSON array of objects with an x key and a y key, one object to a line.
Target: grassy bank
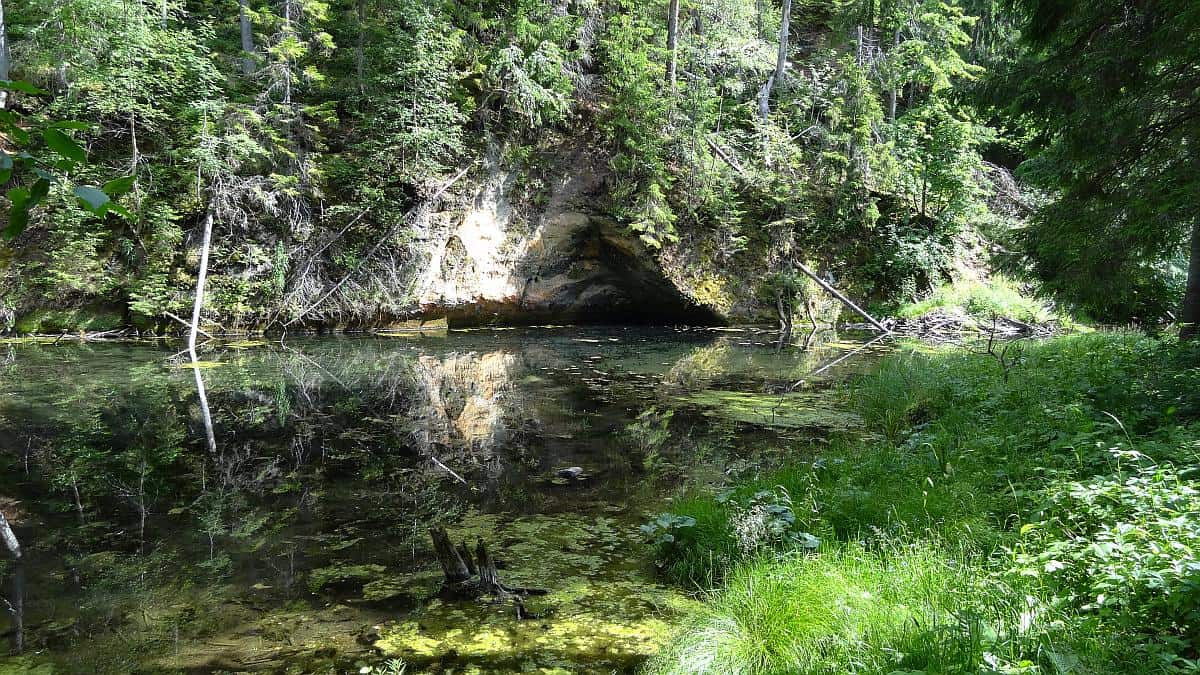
[
  {"x": 1039, "y": 519},
  {"x": 982, "y": 300}
]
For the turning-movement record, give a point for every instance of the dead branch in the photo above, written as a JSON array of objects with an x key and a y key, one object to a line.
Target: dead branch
[
  {"x": 837, "y": 294},
  {"x": 378, "y": 245}
]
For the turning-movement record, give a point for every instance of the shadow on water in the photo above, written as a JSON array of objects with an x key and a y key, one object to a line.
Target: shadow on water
[{"x": 267, "y": 507}]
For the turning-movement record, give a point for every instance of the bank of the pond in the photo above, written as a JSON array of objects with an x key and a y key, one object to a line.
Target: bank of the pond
[{"x": 1035, "y": 516}]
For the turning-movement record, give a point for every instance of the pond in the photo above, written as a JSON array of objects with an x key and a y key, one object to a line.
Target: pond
[{"x": 268, "y": 508}]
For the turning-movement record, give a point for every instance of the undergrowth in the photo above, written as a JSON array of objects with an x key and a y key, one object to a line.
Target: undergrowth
[
  {"x": 1044, "y": 523},
  {"x": 997, "y": 296}
]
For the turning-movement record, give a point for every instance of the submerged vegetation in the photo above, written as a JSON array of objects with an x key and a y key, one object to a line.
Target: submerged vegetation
[{"x": 1043, "y": 522}]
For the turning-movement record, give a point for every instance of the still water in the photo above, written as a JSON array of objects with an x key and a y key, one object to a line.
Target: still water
[{"x": 268, "y": 508}]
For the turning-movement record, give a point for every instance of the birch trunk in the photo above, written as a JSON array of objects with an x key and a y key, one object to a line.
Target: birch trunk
[
  {"x": 9, "y": 538},
  {"x": 764, "y": 95},
  {"x": 4, "y": 66},
  {"x": 893, "y": 93},
  {"x": 785, "y": 28},
  {"x": 201, "y": 276}
]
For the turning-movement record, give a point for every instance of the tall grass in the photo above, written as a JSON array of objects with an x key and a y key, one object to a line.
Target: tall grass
[
  {"x": 983, "y": 299},
  {"x": 852, "y": 610},
  {"x": 1043, "y": 523}
]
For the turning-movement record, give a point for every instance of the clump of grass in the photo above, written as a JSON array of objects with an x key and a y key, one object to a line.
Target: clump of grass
[
  {"x": 996, "y": 296},
  {"x": 849, "y": 609}
]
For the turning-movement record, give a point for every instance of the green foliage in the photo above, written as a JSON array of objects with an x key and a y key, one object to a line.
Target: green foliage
[
  {"x": 1068, "y": 484},
  {"x": 354, "y": 109},
  {"x": 414, "y": 123},
  {"x": 1106, "y": 93},
  {"x": 34, "y": 174},
  {"x": 634, "y": 122},
  {"x": 893, "y": 609},
  {"x": 997, "y": 296}
]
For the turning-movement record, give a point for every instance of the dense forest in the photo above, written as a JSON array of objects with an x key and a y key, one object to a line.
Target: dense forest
[
  {"x": 890, "y": 144},
  {"x": 662, "y": 336}
]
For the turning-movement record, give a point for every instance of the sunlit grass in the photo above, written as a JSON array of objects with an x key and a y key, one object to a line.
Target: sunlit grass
[
  {"x": 849, "y": 609},
  {"x": 982, "y": 299},
  {"x": 964, "y": 514}
]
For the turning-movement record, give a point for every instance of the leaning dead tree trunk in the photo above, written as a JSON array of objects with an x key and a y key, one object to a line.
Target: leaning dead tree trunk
[
  {"x": 472, "y": 577},
  {"x": 837, "y": 294},
  {"x": 198, "y": 301},
  {"x": 197, "y": 306}
]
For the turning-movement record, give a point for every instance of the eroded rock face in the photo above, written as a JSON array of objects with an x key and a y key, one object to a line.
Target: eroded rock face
[{"x": 565, "y": 263}]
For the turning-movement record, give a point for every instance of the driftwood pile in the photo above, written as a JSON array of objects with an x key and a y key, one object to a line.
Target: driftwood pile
[{"x": 944, "y": 326}]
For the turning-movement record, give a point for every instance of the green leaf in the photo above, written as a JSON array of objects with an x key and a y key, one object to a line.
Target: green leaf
[
  {"x": 5, "y": 175},
  {"x": 116, "y": 208},
  {"x": 18, "y": 196},
  {"x": 17, "y": 220},
  {"x": 18, "y": 216},
  {"x": 118, "y": 186},
  {"x": 64, "y": 145},
  {"x": 38, "y": 191},
  {"x": 93, "y": 199},
  {"x": 19, "y": 135}
]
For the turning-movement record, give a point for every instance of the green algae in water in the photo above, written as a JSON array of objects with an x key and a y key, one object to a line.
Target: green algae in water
[
  {"x": 331, "y": 445},
  {"x": 200, "y": 364},
  {"x": 797, "y": 410},
  {"x": 343, "y": 575},
  {"x": 415, "y": 587},
  {"x": 602, "y": 609}
]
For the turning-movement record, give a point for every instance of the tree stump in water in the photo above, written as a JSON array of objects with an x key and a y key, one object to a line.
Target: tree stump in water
[
  {"x": 470, "y": 577},
  {"x": 451, "y": 559}
]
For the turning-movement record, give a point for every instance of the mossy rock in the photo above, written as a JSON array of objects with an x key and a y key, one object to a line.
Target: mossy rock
[{"x": 797, "y": 410}]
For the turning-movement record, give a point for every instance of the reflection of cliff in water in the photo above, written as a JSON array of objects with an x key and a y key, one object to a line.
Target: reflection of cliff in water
[
  {"x": 324, "y": 480},
  {"x": 464, "y": 404}
]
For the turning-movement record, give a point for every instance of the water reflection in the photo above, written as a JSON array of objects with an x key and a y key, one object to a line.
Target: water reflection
[{"x": 267, "y": 505}]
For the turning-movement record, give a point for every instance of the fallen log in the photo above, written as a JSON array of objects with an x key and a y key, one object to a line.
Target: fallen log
[{"x": 837, "y": 294}]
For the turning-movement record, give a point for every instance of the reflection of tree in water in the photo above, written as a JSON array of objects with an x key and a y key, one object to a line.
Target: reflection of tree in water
[
  {"x": 310, "y": 454},
  {"x": 323, "y": 460}
]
